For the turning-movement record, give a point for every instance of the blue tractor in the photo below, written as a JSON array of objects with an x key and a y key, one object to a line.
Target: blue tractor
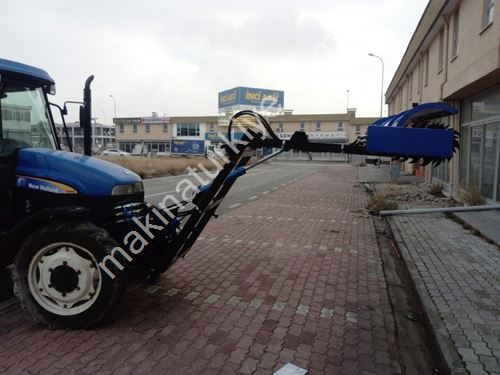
[
  {"x": 50, "y": 206},
  {"x": 75, "y": 228}
]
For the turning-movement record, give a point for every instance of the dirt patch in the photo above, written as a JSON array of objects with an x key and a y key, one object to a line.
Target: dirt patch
[{"x": 414, "y": 334}]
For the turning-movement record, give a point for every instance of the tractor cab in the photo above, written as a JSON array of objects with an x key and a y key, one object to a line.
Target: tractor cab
[
  {"x": 25, "y": 122},
  {"x": 35, "y": 174}
]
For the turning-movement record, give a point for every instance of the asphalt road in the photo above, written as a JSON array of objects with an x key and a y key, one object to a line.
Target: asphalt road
[{"x": 258, "y": 182}]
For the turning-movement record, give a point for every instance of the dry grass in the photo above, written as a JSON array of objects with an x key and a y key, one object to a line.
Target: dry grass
[
  {"x": 160, "y": 166},
  {"x": 472, "y": 196},
  {"x": 380, "y": 202}
]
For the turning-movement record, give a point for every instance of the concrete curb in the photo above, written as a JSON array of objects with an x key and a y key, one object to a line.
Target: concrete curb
[
  {"x": 478, "y": 231},
  {"x": 447, "y": 350}
]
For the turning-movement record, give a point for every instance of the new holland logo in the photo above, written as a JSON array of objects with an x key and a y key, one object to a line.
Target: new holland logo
[{"x": 44, "y": 185}]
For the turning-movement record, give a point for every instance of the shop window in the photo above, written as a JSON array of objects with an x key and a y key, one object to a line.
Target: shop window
[
  {"x": 489, "y": 160},
  {"x": 475, "y": 155},
  {"x": 464, "y": 155}
]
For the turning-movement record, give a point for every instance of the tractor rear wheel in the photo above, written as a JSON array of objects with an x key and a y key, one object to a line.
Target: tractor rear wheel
[{"x": 57, "y": 277}]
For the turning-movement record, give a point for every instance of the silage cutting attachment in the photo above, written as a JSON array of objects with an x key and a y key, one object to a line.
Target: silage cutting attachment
[{"x": 413, "y": 134}]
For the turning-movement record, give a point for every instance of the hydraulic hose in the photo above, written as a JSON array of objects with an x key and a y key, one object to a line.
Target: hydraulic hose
[{"x": 258, "y": 117}]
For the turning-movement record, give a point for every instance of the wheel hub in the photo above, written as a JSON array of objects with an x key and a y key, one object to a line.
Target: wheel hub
[{"x": 64, "y": 279}]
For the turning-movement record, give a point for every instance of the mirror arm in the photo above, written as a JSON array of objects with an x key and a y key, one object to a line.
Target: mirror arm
[{"x": 61, "y": 110}]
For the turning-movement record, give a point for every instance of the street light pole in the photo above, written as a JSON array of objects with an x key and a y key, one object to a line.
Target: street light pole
[
  {"x": 382, "y": 86},
  {"x": 114, "y": 102}
]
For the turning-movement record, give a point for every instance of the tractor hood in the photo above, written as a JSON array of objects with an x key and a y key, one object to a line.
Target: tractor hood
[{"x": 88, "y": 175}]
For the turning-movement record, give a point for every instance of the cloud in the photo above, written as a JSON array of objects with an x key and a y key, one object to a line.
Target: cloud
[{"x": 174, "y": 56}]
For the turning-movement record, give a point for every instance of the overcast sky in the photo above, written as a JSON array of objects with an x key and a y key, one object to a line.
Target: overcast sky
[{"x": 173, "y": 57}]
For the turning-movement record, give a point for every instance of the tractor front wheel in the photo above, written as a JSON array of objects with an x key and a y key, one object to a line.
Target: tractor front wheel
[{"x": 57, "y": 277}]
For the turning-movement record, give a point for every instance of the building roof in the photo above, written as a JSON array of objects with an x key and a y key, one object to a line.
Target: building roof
[{"x": 363, "y": 120}]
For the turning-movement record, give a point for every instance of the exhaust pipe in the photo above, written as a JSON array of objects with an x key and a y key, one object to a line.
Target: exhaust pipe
[{"x": 86, "y": 117}]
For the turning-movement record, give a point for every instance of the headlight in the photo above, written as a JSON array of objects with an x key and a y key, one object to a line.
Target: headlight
[{"x": 129, "y": 189}]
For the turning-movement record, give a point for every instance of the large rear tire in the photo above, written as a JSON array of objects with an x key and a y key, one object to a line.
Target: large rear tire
[{"x": 57, "y": 278}]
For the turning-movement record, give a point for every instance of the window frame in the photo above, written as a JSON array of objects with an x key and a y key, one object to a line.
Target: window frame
[
  {"x": 426, "y": 68},
  {"x": 441, "y": 52},
  {"x": 455, "y": 33},
  {"x": 188, "y": 129},
  {"x": 488, "y": 5}
]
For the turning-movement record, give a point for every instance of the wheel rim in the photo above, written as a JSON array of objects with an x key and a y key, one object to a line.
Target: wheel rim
[{"x": 64, "y": 278}]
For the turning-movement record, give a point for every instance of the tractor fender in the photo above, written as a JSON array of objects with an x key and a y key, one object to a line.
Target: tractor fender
[{"x": 10, "y": 243}]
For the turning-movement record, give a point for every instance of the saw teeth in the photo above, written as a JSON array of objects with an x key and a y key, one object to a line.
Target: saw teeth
[{"x": 425, "y": 162}]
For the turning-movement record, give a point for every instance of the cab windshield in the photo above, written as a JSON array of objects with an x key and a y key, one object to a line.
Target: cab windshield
[{"x": 24, "y": 121}]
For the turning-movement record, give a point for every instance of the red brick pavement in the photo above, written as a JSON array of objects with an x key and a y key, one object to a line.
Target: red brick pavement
[{"x": 295, "y": 276}]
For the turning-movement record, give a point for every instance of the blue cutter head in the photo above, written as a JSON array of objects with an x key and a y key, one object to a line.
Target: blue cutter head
[{"x": 415, "y": 134}]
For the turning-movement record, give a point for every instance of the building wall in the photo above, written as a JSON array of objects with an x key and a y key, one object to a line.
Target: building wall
[
  {"x": 103, "y": 136},
  {"x": 474, "y": 68},
  {"x": 156, "y": 132},
  {"x": 478, "y": 48}
]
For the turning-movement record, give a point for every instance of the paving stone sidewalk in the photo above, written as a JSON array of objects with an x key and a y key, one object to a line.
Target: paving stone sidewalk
[
  {"x": 293, "y": 277},
  {"x": 460, "y": 273}
]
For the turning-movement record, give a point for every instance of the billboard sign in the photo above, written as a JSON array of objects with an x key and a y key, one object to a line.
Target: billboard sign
[
  {"x": 251, "y": 97},
  {"x": 155, "y": 120},
  {"x": 188, "y": 147}
]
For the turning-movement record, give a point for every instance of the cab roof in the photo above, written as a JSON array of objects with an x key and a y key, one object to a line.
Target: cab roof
[{"x": 9, "y": 66}]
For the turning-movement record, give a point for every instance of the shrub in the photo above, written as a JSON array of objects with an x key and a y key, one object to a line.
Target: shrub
[
  {"x": 379, "y": 202},
  {"x": 436, "y": 189},
  {"x": 472, "y": 196}
]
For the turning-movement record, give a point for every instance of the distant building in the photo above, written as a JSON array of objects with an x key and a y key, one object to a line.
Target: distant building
[
  {"x": 158, "y": 133},
  {"x": 453, "y": 56},
  {"x": 103, "y": 136}
]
